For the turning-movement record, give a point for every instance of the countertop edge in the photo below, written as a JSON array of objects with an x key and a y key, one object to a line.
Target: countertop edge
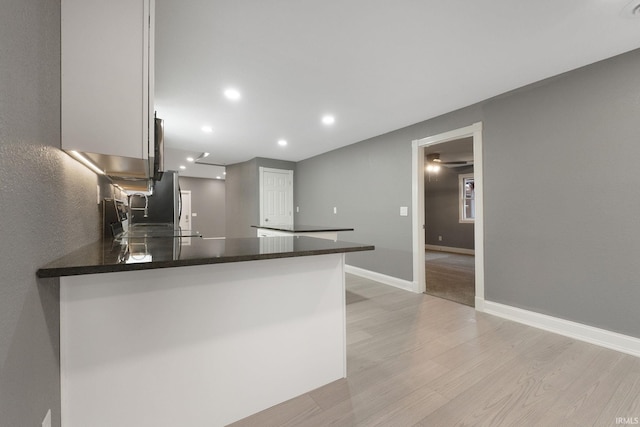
[
  {"x": 303, "y": 229},
  {"x": 114, "y": 268}
]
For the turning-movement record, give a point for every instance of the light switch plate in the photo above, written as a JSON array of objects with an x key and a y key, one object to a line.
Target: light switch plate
[
  {"x": 404, "y": 211},
  {"x": 194, "y": 213}
]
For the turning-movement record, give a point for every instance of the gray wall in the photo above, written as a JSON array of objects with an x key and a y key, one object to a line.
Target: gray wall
[
  {"x": 442, "y": 210},
  {"x": 47, "y": 205},
  {"x": 208, "y": 201},
  {"x": 243, "y": 194},
  {"x": 559, "y": 164},
  {"x": 561, "y": 210},
  {"x": 367, "y": 182}
]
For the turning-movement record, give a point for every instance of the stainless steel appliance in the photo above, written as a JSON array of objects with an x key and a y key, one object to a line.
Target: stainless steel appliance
[
  {"x": 132, "y": 174},
  {"x": 114, "y": 214},
  {"x": 161, "y": 207},
  {"x": 158, "y": 150}
]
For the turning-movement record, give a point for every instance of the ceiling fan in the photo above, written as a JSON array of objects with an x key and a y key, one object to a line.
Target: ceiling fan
[{"x": 434, "y": 158}]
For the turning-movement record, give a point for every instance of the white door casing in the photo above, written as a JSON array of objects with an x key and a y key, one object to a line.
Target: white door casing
[
  {"x": 185, "y": 217},
  {"x": 276, "y": 197},
  {"x": 475, "y": 131}
]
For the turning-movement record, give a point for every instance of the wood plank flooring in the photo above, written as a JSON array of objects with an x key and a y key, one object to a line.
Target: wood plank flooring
[
  {"x": 417, "y": 360},
  {"x": 451, "y": 276}
]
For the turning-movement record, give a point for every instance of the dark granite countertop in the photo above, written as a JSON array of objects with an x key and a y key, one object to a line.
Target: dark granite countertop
[
  {"x": 153, "y": 230},
  {"x": 150, "y": 253},
  {"x": 303, "y": 228}
]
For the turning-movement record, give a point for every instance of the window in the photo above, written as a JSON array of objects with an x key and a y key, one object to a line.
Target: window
[{"x": 467, "y": 198}]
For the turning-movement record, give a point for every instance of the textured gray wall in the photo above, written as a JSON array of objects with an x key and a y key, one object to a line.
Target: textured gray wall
[
  {"x": 208, "y": 201},
  {"x": 442, "y": 210},
  {"x": 243, "y": 194},
  {"x": 47, "y": 206},
  {"x": 560, "y": 159}
]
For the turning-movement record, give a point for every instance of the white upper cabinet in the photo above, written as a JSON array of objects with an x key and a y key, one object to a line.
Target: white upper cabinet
[{"x": 107, "y": 76}]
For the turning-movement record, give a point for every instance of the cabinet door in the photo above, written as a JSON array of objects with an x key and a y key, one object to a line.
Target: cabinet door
[{"x": 105, "y": 76}]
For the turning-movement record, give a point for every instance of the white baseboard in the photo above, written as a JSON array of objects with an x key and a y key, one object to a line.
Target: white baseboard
[
  {"x": 450, "y": 249},
  {"x": 382, "y": 278},
  {"x": 602, "y": 337}
]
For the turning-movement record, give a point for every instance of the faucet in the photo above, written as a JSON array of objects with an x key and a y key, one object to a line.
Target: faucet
[{"x": 146, "y": 204}]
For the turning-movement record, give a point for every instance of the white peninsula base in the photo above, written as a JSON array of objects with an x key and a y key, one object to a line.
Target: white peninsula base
[{"x": 199, "y": 346}]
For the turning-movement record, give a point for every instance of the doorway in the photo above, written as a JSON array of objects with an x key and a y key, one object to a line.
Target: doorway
[
  {"x": 185, "y": 210},
  {"x": 449, "y": 220},
  {"x": 418, "y": 204}
]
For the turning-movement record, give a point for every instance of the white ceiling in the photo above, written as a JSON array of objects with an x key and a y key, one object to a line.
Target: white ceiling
[{"x": 376, "y": 65}]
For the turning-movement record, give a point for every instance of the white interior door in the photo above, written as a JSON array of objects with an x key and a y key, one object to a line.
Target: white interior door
[
  {"x": 276, "y": 197},
  {"x": 185, "y": 218}
]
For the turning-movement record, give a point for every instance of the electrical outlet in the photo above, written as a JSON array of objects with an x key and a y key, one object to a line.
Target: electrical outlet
[
  {"x": 335, "y": 210},
  {"x": 439, "y": 238},
  {"x": 46, "y": 422},
  {"x": 297, "y": 209},
  {"x": 194, "y": 213}
]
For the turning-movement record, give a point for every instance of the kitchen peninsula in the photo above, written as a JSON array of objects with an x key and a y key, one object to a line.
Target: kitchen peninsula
[
  {"x": 191, "y": 331},
  {"x": 322, "y": 232}
]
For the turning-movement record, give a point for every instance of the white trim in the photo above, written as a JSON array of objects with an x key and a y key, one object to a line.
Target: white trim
[
  {"x": 601, "y": 337},
  {"x": 417, "y": 154},
  {"x": 148, "y": 91},
  {"x": 478, "y": 231},
  {"x": 344, "y": 315},
  {"x": 417, "y": 217},
  {"x": 453, "y": 250},
  {"x": 382, "y": 278}
]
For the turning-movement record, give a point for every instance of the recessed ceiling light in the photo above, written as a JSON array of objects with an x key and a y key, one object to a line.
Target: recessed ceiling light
[
  {"x": 328, "y": 119},
  {"x": 207, "y": 129},
  {"x": 217, "y": 177},
  {"x": 282, "y": 142},
  {"x": 232, "y": 94},
  {"x": 190, "y": 159},
  {"x": 183, "y": 167}
]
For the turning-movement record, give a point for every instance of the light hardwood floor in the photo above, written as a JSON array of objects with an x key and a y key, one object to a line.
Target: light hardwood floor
[{"x": 417, "y": 360}]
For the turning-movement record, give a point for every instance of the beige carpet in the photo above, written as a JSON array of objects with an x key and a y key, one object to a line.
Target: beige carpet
[{"x": 451, "y": 276}]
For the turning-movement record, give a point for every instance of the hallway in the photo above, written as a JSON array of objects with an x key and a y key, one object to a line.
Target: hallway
[{"x": 451, "y": 276}]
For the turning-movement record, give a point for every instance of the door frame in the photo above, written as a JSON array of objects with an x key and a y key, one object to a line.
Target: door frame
[
  {"x": 418, "y": 205},
  {"x": 261, "y": 171}
]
